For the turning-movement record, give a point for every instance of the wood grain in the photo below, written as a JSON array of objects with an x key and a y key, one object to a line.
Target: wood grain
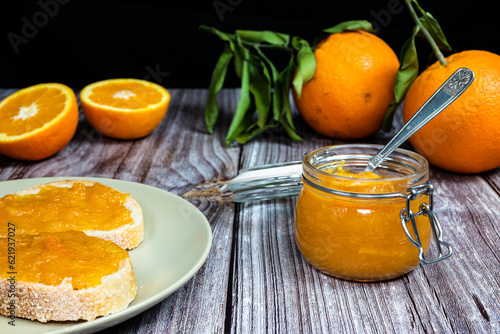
[
  {"x": 255, "y": 280},
  {"x": 277, "y": 291},
  {"x": 182, "y": 158},
  {"x": 178, "y": 156}
]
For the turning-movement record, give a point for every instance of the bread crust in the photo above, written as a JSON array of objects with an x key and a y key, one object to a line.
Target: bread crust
[
  {"x": 127, "y": 236},
  {"x": 37, "y": 301}
]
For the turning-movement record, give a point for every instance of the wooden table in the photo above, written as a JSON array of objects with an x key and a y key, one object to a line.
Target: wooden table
[{"x": 255, "y": 280}]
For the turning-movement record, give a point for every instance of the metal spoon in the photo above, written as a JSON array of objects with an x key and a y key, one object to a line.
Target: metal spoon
[
  {"x": 285, "y": 179},
  {"x": 452, "y": 88}
]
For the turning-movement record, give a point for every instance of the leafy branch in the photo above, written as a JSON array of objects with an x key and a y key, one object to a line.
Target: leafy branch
[
  {"x": 264, "y": 88},
  {"x": 426, "y": 26},
  {"x": 264, "y": 95}
]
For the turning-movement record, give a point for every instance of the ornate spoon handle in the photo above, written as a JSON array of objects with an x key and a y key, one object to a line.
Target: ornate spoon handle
[{"x": 452, "y": 88}]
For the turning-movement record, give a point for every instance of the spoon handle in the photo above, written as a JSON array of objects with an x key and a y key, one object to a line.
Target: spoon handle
[{"x": 452, "y": 88}]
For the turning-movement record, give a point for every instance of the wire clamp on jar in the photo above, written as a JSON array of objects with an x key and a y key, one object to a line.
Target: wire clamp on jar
[{"x": 425, "y": 209}]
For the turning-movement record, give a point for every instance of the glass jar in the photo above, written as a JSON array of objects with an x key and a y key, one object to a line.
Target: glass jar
[
  {"x": 354, "y": 228},
  {"x": 365, "y": 229}
]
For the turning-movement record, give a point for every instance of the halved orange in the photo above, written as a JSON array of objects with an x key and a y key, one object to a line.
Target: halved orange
[
  {"x": 37, "y": 121},
  {"x": 124, "y": 108}
]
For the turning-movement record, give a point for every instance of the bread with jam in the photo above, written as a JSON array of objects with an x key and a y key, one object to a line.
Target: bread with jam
[
  {"x": 60, "y": 276},
  {"x": 78, "y": 205}
]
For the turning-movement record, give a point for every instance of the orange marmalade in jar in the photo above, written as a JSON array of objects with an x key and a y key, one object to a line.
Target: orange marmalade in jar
[{"x": 365, "y": 226}]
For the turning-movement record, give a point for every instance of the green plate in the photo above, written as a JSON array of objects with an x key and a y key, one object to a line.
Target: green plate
[{"x": 176, "y": 244}]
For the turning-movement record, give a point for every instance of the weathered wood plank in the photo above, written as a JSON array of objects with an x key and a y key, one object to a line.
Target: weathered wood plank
[
  {"x": 276, "y": 290},
  {"x": 493, "y": 178},
  {"x": 271, "y": 287},
  {"x": 178, "y": 156},
  {"x": 468, "y": 288},
  {"x": 199, "y": 305},
  {"x": 184, "y": 159}
]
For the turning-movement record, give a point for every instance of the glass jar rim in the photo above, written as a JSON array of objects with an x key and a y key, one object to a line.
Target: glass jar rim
[{"x": 420, "y": 167}]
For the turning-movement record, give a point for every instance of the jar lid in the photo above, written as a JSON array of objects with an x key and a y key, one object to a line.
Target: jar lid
[{"x": 286, "y": 179}]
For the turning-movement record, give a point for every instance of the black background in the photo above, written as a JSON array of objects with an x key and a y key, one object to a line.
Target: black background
[{"x": 77, "y": 42}]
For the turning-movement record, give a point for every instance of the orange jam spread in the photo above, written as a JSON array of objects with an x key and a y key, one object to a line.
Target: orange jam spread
[
  {"x": 344, "y": 172},
  {"x": 354, "y": 238},
  {"x": 49, "y": 258},
  {"x": 80, "y": 207}
]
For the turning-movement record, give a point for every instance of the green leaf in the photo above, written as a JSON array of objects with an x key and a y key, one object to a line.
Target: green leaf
[
  {"x": 350, "y": 25},
  {"x": 252, "y": 131},
  {"x": 238, "y": 64},
  {"x": 285, "y": 78},
  {"x": 241, "y": 115},
  {"x": 277, "y": 99},
  {"x": 216, "y": 83},
  {"x": 433, "y": 27},
  {"x": 222, "y": 35},
  {"x": 247, "y": 125},
  {"x": 241, "y": 55},
  {"x": 268, "y": 63},
  {"x": 263, "y": 87},
  {"x": 408, "y": 70},
  {"x": 306, "y": 63},
  {"x": 274, "y": 88},
  {"x": 248, "y": 134},
  {"x": 389, "y": 116},
  {"x": 232, "y": 42},
  {"x": 291, "y": 132},
  {"x": 407, "y": 73},
  {"x": 260, "y": 87},
  {"x": 265, "y": 36}
]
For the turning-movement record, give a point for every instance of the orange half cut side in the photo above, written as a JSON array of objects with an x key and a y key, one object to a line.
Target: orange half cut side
[
  {"x": 124, "y": 108},
  {"x": 37, "y": 121}
]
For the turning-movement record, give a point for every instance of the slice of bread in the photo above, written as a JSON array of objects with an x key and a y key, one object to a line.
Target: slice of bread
[
  {"x": 80, "y": 205},
  {"x": 64, "y": 276}
]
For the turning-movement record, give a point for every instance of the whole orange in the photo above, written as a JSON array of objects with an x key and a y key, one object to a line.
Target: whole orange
[
  {"x": 465, "y": 137},
  {"x": 352, "y": 86}
]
